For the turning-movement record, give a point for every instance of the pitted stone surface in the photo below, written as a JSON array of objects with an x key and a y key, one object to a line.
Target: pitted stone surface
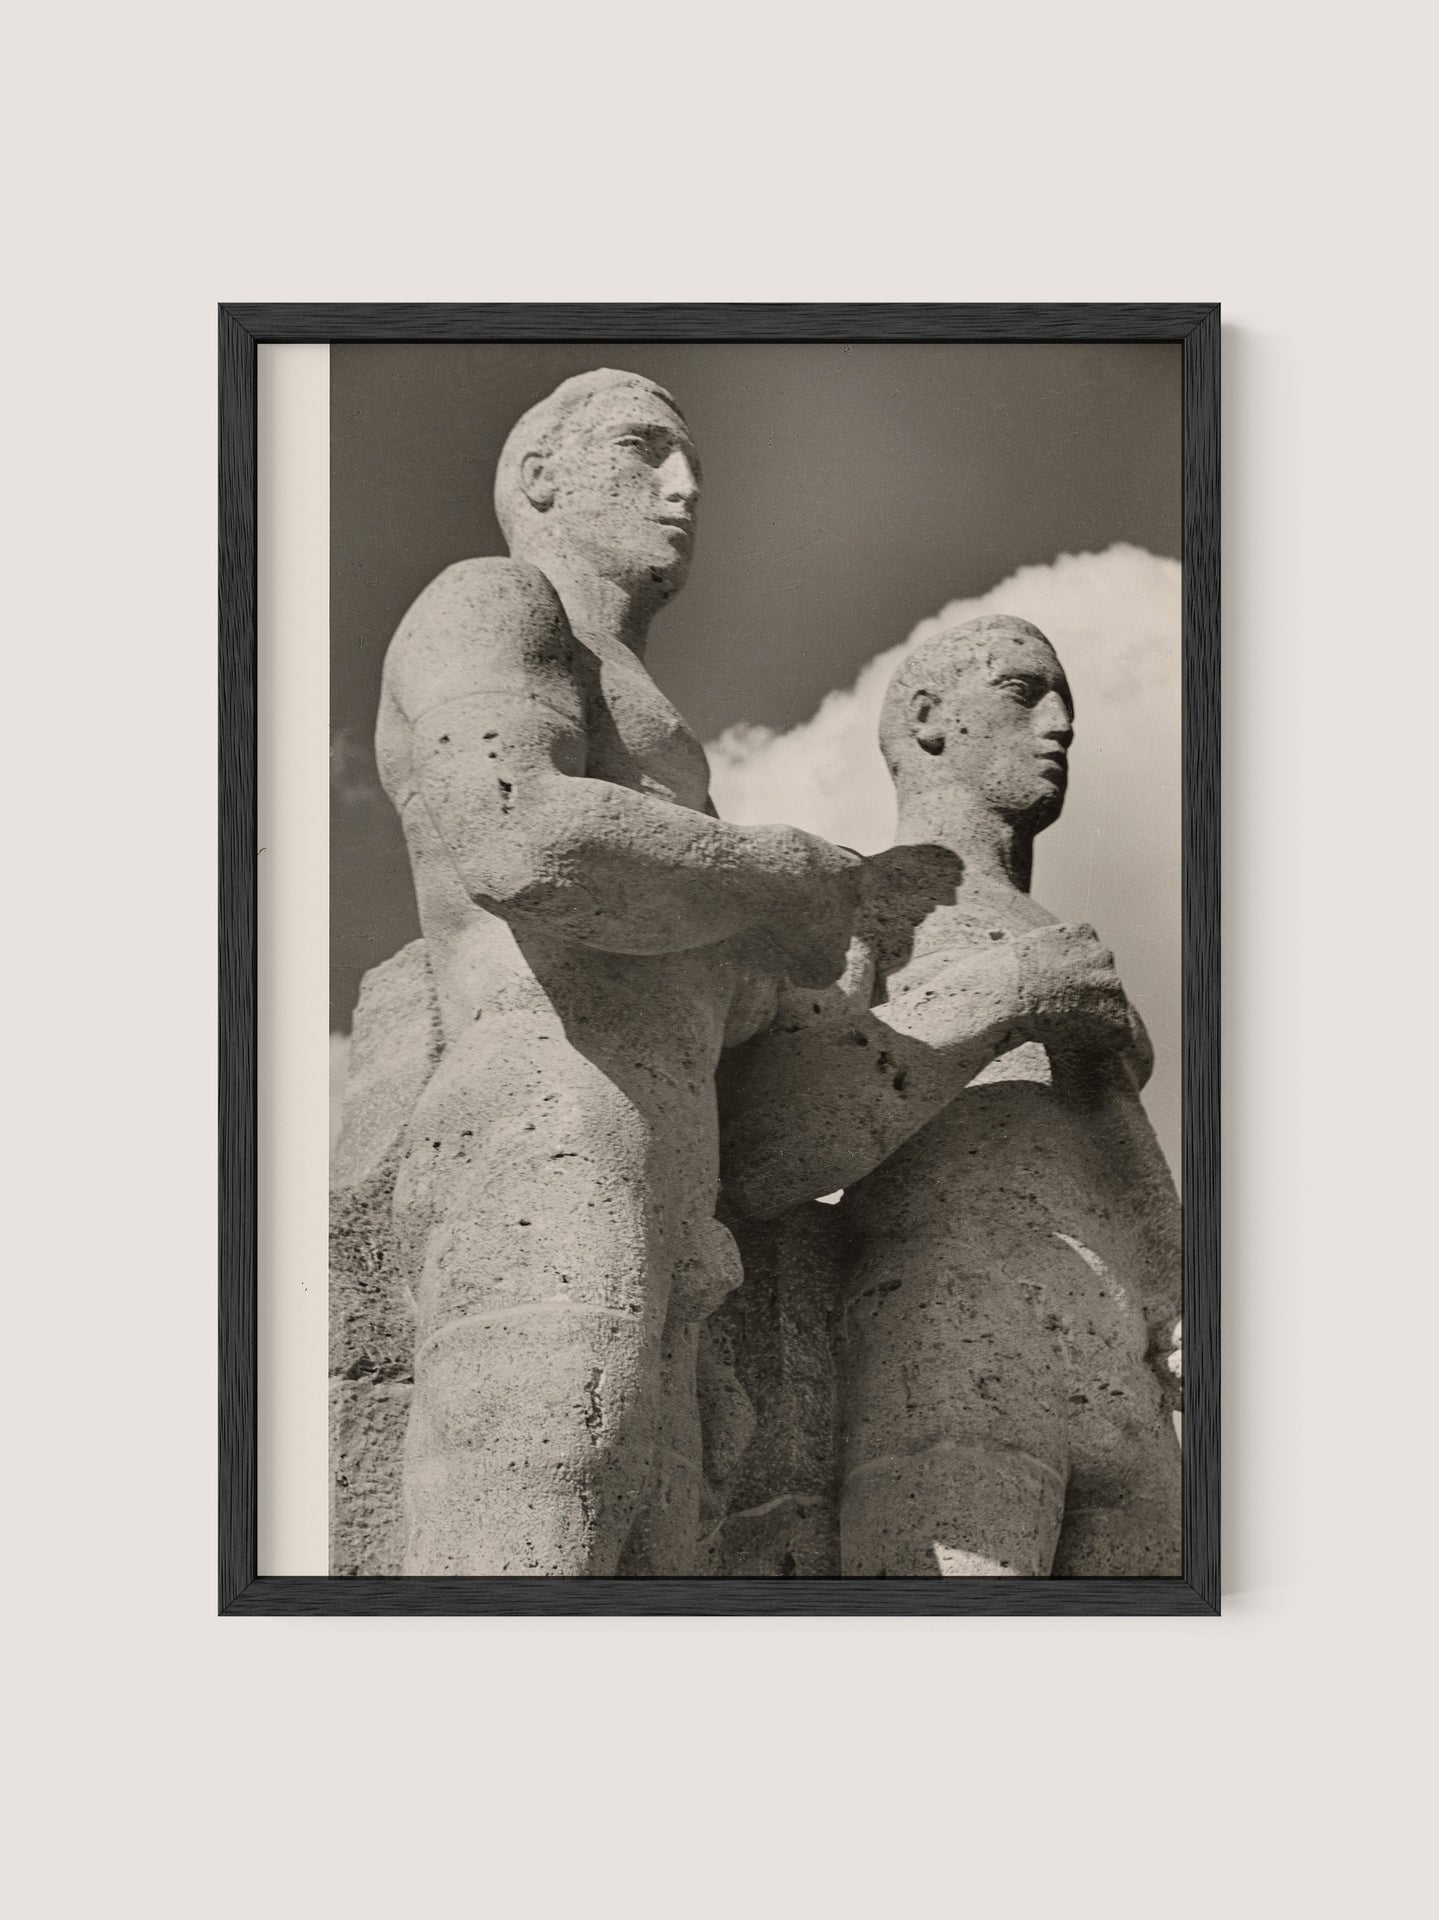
[
  {"x": 395, "y": 1046},
  {"x": 595, "y": 936},
  {"x": 543, "y": 1359},
  {"x": 777, "y": 1496},
  {"x": 1011, "y": 1230}
]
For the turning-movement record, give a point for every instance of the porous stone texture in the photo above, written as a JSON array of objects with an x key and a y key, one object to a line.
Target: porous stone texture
[
  {"x": 764, "y": 1363},
  {"x": 1003, "y": 1410},
  {"x": 595, "y": 938},
  {"x": 1011, "y": 1233},
  {"x": 543, "y": 1359},
  {"x": 773, "y": 1342},
  {"x": 396, "y": 1043}
]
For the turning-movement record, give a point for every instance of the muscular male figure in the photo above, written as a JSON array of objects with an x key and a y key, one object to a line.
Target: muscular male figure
[
  {"x": 1013, "y": 1232},
  {"x": 595, "y": 936}
]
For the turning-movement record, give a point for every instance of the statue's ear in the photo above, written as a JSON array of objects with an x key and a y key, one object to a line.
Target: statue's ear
[
  {"x": 537, "y": 482},
  {"x": 926, "y": 719}
]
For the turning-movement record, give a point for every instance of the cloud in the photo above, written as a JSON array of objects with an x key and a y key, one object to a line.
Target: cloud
[
  {"x": 1113, "y": 858},
  {"x": 1114, "y": 618}
]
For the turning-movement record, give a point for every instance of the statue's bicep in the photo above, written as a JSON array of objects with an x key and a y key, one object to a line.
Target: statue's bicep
[{"x": 486, "y": 630}]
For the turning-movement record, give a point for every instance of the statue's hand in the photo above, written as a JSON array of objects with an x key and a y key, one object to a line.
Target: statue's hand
[
  {"x": 956, "y": 997},
  {"x": 1070, "y": 991},
  {"x": 816, "y": 889}
]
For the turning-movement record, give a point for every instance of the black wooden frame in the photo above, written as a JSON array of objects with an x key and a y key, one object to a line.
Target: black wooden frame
[{"x": 242, "y": 329}]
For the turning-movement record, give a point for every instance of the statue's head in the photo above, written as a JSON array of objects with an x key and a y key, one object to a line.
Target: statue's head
[
  {"x": 984, "y": 706},
  {"x": 603, "y": 469}
]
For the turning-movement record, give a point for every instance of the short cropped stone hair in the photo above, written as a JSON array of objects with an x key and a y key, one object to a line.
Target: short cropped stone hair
[
  {"x": 543, "y": 428},
  {"x": 933, "y": 659}
]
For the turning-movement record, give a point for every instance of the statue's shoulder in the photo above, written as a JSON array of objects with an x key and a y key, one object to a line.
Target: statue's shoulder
[
  {"x": 487, "y": 621},
  {"x": 491, "y": 582},
  {"x": 904, "y": 888},
  {"x": 482, "y": 599}
]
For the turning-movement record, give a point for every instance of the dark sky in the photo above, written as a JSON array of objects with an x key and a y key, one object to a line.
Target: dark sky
[{"x": 849, "y": 491}]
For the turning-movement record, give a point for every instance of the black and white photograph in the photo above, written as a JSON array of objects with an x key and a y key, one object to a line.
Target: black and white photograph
[{"x": 755, "y": 946}]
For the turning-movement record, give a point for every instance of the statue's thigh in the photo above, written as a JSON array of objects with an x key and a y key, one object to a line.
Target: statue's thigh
[
  {"x": 958, "y": 1509},
  {"x": 665, "y": 1539},
  {"x": 530, "y": 1182},
  {"x": 953, "y": 1398}
]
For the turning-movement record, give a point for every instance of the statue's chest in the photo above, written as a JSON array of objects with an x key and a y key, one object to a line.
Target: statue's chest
[
  {"x": 909, "y": 948},
  {"x": 638, "y": 740},
  {"x": 979, "y": 919}
]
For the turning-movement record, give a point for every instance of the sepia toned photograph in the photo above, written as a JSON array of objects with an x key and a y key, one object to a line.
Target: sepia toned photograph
[{"x": 756, "y": 968}]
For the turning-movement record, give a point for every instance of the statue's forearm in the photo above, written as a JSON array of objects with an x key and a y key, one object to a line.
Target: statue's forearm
[
  {"x": 811, "y": 1109},
  {"x": 612, "y": 868}
]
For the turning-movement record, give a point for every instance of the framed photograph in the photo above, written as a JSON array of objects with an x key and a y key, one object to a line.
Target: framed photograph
[{"x": 749, "y": 777}]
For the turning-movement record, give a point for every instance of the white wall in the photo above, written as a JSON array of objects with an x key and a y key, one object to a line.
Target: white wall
[{"x": 166, "y": 157}]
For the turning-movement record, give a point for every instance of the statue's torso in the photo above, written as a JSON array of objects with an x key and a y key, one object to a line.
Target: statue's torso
[
  {"x": 1041, "y": 1143},
  {"x": 681, "y": 1005},
  {"x": 1007, "y": 1266}
]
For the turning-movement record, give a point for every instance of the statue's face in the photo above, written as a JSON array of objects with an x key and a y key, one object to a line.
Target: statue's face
[
  {"x": 1005, "y": 717},
  {"x": 626, "y": 482}
]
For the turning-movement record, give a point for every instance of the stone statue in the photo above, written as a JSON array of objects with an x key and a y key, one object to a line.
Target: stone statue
[
  {"x": 395, "y": 1047},
  {"x": 770, "y": 1346},
  {"x": 594, "y": 936},
  {"x": 1011, "y": 1232}
]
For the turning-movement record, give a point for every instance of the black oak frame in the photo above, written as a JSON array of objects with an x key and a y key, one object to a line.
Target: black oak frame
[{"x": 242, "y": 329}]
